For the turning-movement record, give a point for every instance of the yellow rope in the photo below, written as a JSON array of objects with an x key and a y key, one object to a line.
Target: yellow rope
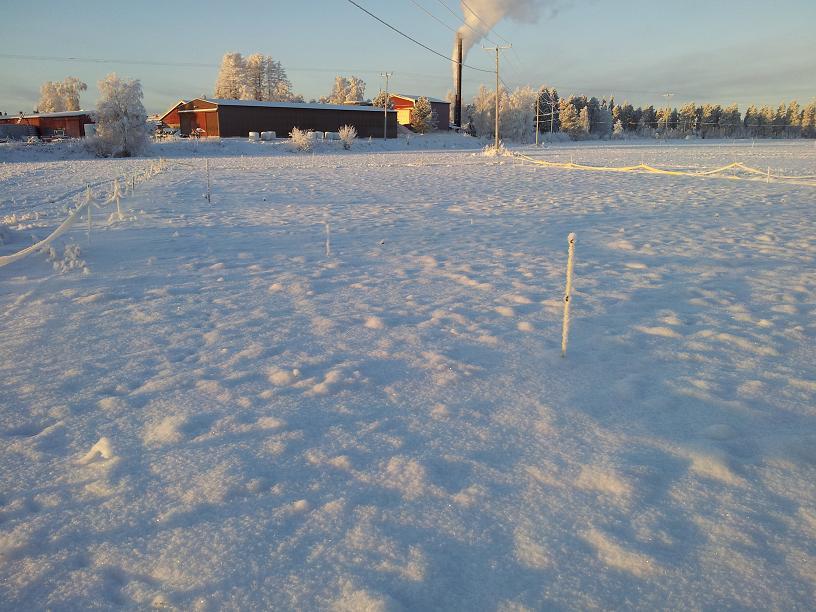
[{"x": 795, "y": 180}]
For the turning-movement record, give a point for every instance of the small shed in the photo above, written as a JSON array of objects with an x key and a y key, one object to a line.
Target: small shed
[
  {"x": 68, "y": 124},
  {"x": 404, "y": 104},
  {"x": 237, "y": 118}
]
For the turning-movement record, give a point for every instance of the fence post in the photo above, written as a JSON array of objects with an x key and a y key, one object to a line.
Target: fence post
[
  {"x": 209, "y": 196},
  {"x": 568, "y": 294},
  {"x": 117, "y": 196},
  {"x": 89, "y": 207},
  {"x": 328, "y": 239}
]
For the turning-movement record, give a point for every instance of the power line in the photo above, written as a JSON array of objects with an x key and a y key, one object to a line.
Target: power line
[
  {"x": 431, "y": 15},
  {"x": 97, "y": 60},
  {"x": 414, "y": 40}
]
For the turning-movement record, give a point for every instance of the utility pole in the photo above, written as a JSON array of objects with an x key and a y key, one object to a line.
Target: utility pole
[
  {"x": 668, "y": 95},
  {"x": 497, "y": 49},
  {"x": 387, "y": 76}
]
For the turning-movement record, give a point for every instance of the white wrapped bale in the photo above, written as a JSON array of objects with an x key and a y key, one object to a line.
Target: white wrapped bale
[
  {"x": 254, "y": 137},
  {"x": 268, "y": 135},
  {"x": 332, "y": 135}
]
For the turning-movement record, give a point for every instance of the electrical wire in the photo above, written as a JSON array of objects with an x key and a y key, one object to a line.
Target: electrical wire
[
  {"x": 414, "y": 40},
  {"x": 431, "y": 15},
  {"x": 466, "y": 24},
  {"x": 401, "y": 33}
]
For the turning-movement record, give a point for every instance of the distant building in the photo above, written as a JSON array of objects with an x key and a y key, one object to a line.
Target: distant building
[
  {"x": 231, "y": 118},
  {"x": 404, "y": 105},
  {"x": 68, "y": 124}
]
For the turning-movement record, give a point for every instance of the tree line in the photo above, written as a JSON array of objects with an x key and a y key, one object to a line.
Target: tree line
[{"x": 580, "y": 117}]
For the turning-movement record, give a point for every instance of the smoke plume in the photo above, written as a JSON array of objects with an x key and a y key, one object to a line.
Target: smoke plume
[{"x": 482, "y": 15}]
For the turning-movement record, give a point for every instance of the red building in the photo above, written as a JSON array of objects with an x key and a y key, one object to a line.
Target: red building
[
  {"x": 404, "y": 105},
  {"x": 69, "y": 124},
  {"x": 171, "y": 118},
  {"x": 231, "y": 118}
]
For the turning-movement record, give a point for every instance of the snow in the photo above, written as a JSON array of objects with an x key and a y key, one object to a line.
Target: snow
[{"x": 216, "y": 414}]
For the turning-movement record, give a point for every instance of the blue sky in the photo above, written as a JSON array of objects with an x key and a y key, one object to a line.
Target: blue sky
[{"x": 705, "y": 51}]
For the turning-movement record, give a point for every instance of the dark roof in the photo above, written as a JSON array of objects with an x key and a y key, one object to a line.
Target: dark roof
[{"x": 303, "y": 105}]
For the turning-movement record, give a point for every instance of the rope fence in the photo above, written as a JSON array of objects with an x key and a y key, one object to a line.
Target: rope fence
[
  {"x": 85, "y": 206},
  {"x": 757, "y": 174}
]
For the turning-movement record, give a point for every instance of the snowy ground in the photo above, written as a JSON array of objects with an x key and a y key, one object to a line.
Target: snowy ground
[{"x": 217, "y": 414}]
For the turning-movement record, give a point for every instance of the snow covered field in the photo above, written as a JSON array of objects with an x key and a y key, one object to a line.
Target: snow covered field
[{"x": 340, "y": 385}]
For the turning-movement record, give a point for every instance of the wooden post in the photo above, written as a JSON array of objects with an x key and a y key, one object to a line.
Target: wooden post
[
  {"x": 209, "y": 196},
  {"x": 568, "y": 294}
]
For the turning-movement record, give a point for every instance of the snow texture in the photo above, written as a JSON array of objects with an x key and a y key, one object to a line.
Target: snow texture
[{"x": 224, "y": 413}]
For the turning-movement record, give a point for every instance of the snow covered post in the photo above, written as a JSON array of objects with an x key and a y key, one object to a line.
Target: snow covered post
[
  {"x": 88, "y": 207},
  {"x": 328, "y": 239},
  {"x": 209, "y": 197},
  {"x": 116, "y": 197},
  {"x": 568, "y": 294}
]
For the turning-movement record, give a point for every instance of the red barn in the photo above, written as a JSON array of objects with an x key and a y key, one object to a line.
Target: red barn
[
  {"x": 171, "y": 117},
  {"x": 404, "y": 104},
  {"x": 68, "y": 124}
]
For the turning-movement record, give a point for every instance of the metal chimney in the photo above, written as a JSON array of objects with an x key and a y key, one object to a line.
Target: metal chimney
[{"x": 457, "y": 109}]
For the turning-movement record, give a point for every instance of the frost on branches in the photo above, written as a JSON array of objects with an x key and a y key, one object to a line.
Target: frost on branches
[
  {"x": 516, "y": 114},
  {"x": 381, "y": 99},
  {"x": 121, "y": 120},
  {"x": 348, "y": 134},
  {"x": 256, "y": 77},
  {"x": 60, "y": 96},
  {"x": 423, "y": 117},
  {"x": 302, "y": 140},
  {"x": 350, "y": 89}
]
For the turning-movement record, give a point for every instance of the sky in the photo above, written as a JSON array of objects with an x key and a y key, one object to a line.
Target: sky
[{"x": 723, "y": 51}]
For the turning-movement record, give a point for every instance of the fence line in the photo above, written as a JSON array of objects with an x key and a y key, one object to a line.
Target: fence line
[
  {"x": 809, "y": 180},
  {"x": 72, "y": 218}
]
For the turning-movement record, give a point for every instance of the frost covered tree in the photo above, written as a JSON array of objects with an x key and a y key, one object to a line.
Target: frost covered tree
[
  {"x": 254, "y": 77},
  {"x": 481, "y": 113},
  {"x": 61, "y": 96},
  {"x": 121, "y": 120},
  {"x": 232, "y": 81},
  {"x": 687, "y": 120},
  {"x": 380, "y": 100},
  {"x": 350, "y": 89},
  {"x": 277, "y": 86},
  {"x": 70, "y": 88},
  {"x": 730, "y": 122},
  {"x": 50, "y": 99},
  {"x": 570, "y": 123},
  {"x": 423, "y": 117},
  {"x": 548, "y": 109},
  {"x": 809, "y": 120},
  {"x": 584, "y": 122},
  {"x": 517, "y": 115}
]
